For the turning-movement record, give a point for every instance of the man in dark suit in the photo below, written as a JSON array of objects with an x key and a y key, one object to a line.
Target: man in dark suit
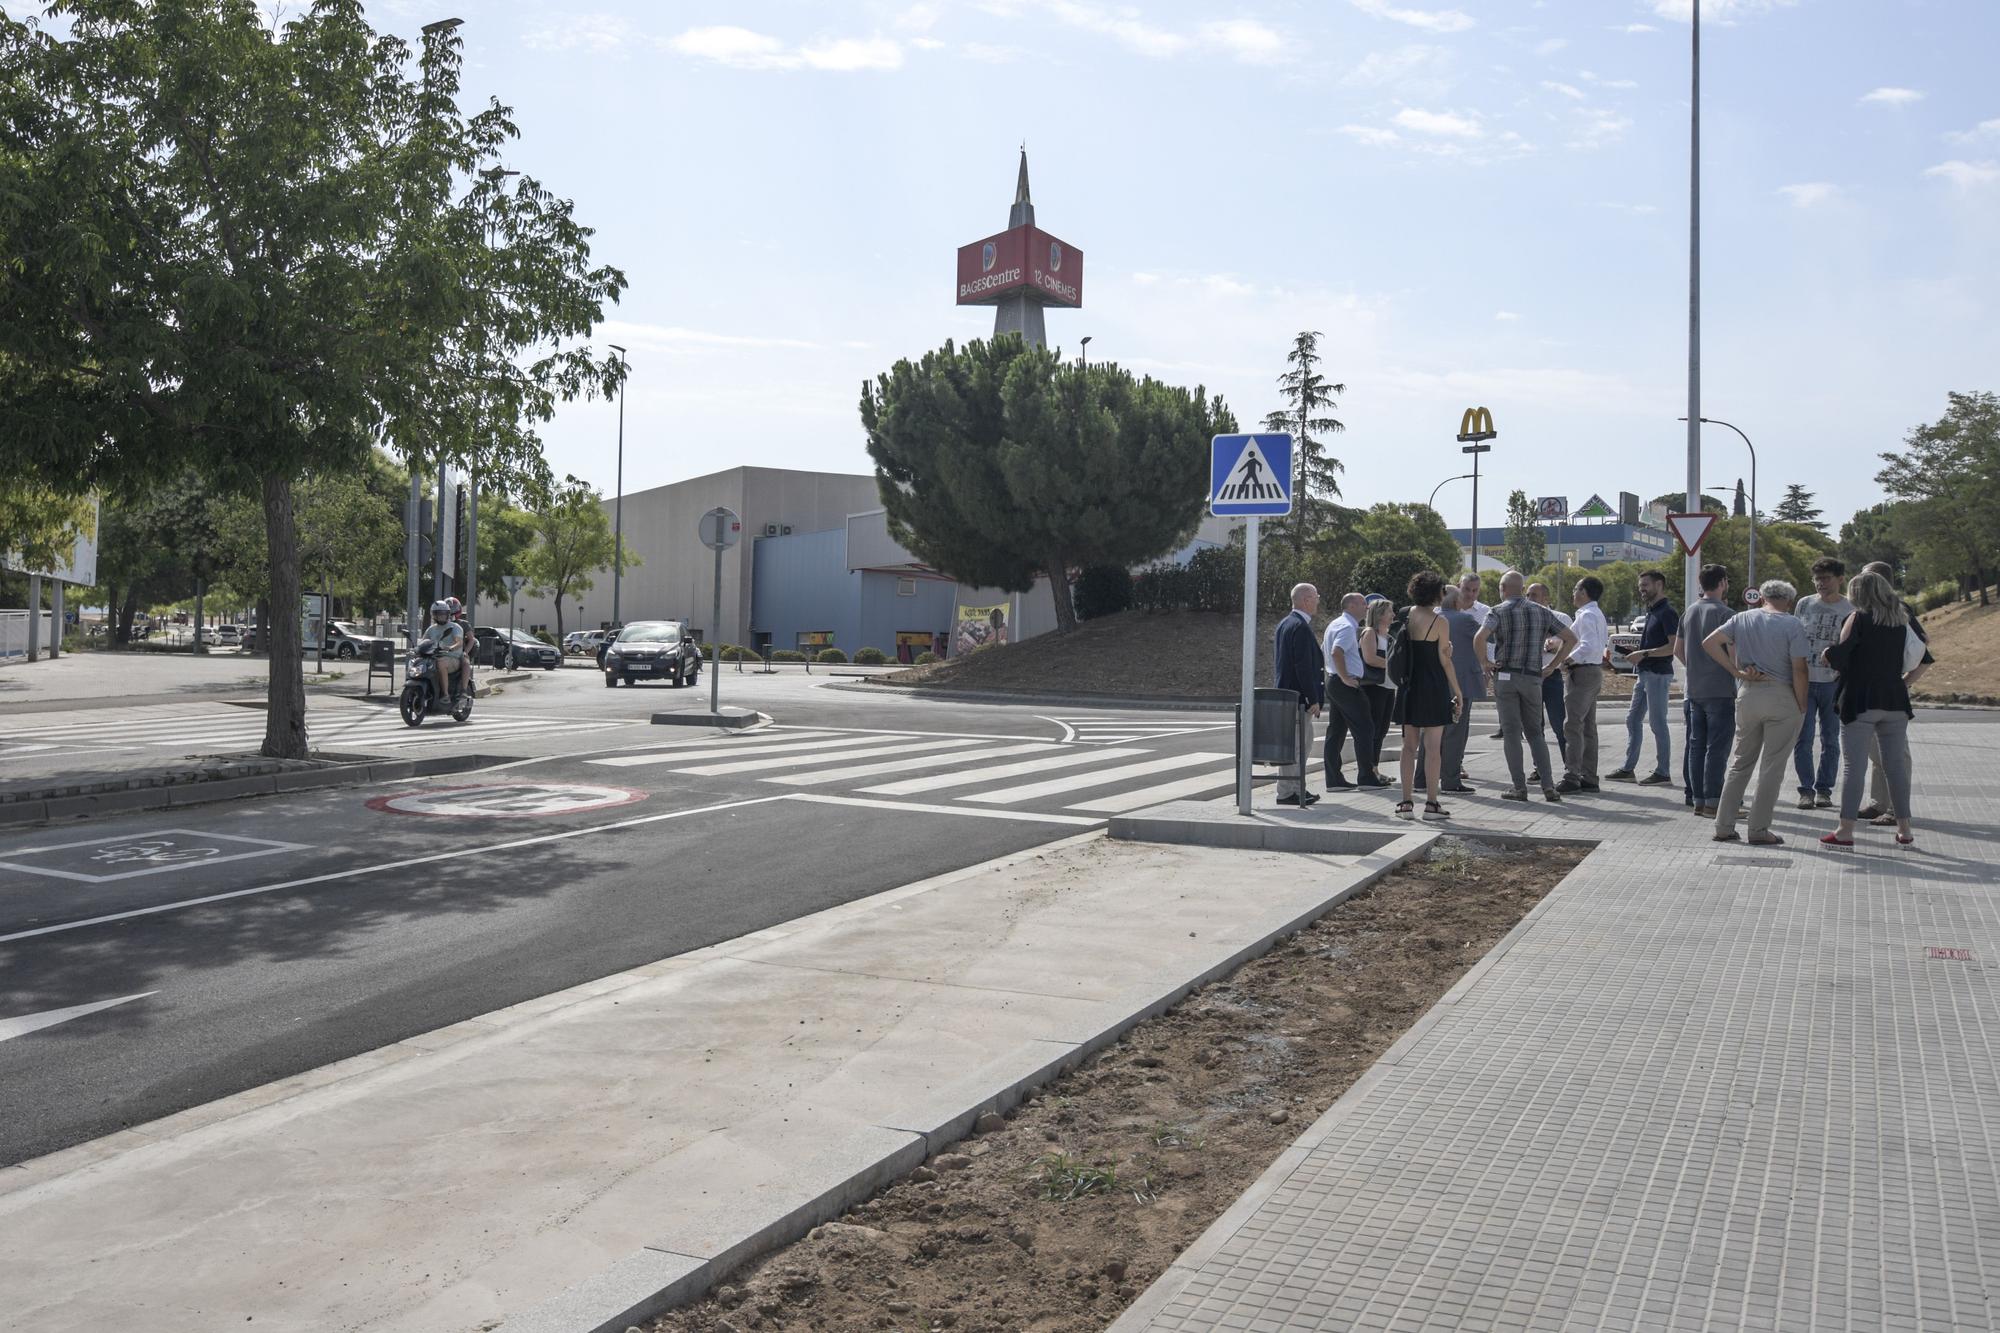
[{"x": 1301, "y": 667}]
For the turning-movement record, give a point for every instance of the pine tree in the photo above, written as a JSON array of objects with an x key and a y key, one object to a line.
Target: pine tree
[
  {"x": 1741, "y": 509},
  {"x": 1526, "y": 545},
  {"x": 1798, "y": 507},
  {"x": 1309, "y": 400}
]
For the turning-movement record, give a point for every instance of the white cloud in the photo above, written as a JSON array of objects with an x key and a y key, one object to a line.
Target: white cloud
[
  {"x": 1416, "y": 70},
  {"x": 1565, "y": 89},
  {"x": 926, "y": 43},
  {"x": 1810, "y": 194},
  {"x": 1636, "y": 210},
  {"x": 988, "y": 54},
  {"x": 1966, "y": 175},
  {"x": 1550, "y": 46},
  {"x": 1985, "y": 129},
  {"x": 917, "y": 18},
  {"x": 1597, "y": 127},
  {"x": 1892, "y": 97},
  {"x": 1505, "y": 316},
  {"x": 1719, "y": 11},
  {"x": 1430, "y": 20},
  {"x": 1445, "y": 123},
  {"x": 1596, "y": 80},
  {"x": 596, "y": 33},
  {"x": 740, "y": 48},
  {"x": 1372, "y": 135},
  {"x": 1123, "y": 26},
  {"x": 1248, "y": 40},
  {"x": 675, "y": 339},
  {"x": 1635, "y": 27}
]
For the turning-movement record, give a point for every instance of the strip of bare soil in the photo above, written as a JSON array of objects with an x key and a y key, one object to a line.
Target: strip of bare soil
[{"x": 1055, "y": 1217}]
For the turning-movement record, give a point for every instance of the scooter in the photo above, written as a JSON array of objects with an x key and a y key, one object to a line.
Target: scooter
[{"x": 424, "y": 690}]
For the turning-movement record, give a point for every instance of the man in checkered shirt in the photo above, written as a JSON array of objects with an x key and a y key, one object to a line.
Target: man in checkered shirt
[{"x": 1517, "y": 629}]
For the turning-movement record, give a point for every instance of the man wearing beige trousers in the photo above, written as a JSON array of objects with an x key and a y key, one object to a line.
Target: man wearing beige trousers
[{"x": 1765, "y": 649}]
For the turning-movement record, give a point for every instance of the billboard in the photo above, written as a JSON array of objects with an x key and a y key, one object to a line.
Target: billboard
[
  {"x": 1021, "y": 257},
  {"x": 979, "y": 627},
  {"x": 1552, "y": 509},
  {"x": 990, "y": 269},
  {"x": 1055, "y": 270}
]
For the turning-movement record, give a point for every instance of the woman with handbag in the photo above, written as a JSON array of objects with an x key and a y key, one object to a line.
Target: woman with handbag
[
  {"x": 1375, "y": 686},
  {"x": 1877, "y": 655}
]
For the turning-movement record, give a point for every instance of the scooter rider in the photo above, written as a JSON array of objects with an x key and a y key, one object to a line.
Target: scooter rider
[
  {"x": 450, "y": 639},
  {"x": 465, "y": 633}
]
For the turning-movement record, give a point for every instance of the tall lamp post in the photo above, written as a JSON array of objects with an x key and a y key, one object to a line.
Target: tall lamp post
[
  {"x": 1715, "y": 421},
  {"x": 1083, "y": 353},
  {"x": 413, "y": 592},
  {"x": 618, "y": 504},
  {"x": 1432, "y": 502},
  {"x": 494, "y": 176},
  {"x": 1693, "y": 417}
]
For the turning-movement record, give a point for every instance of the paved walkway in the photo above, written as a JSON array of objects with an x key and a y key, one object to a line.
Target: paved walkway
[{"x": 1701, "y": 1086}]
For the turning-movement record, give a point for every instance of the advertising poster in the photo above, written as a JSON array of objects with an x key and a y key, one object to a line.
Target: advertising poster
[{"x": 979, "y": 627}]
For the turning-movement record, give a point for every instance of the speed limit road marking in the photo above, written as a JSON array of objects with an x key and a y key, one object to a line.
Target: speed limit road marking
[
  {"x": 508, "y": 800},
  {"x": 101, "y": 859}
]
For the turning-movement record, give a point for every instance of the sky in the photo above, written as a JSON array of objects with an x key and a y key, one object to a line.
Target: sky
[{"x": 1477, "y": 202}]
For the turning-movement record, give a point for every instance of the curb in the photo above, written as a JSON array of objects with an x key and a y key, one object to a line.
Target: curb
[
  {"x": 651, "y": 1281},
  {"x": 1170, "y": 703},
  {"x": 21, "y": 814},
  {"x": 733, "y": 719}
]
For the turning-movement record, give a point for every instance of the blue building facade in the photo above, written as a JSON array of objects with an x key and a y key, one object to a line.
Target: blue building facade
[
  {"x": 804, "y": 595},
  {"x": 1584, "y": 544}
]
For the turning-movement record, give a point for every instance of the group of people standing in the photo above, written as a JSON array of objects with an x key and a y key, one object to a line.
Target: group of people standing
[{"x": 1767, "y": 678}]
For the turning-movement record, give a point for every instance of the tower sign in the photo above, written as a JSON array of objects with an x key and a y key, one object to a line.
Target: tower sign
[{"x": 1020, "y": 270}]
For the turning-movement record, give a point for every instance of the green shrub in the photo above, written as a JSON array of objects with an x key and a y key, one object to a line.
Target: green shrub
[
  {"x": 1389, "y": 573},
  {"x": 830, "y": 656},
  {"x": 870, "y": 657},
  {"x": 926, "y": 658},
  {"x": 1936, "y": 595},
  {"x": 1101, "y": 590},
  {"x": 788, "y": 655}
]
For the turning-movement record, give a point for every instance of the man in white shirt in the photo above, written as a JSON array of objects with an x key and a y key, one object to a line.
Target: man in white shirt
[
  {"x": 1469, "y": 588},
  {"x": 1552, "y": 683},
  {"x": 1585, "y": 673},
  {"x": 1347, "y": 707}
]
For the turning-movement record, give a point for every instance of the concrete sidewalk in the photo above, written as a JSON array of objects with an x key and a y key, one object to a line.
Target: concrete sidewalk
[
  {"x": 1701, "y": 1086},
  {"x": 562, "y": 1164}
]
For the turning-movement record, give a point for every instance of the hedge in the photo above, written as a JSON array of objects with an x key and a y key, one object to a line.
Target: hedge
[
  {"x": 926, "y": 658},
  {"x": 830, "y": 656},
  {"x": 870, "y": 657},
  {"x": 787, "y": 655}
]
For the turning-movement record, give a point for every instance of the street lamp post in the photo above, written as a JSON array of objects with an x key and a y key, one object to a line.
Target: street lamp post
[
  {"x": 1694, "y": 293},
  {"x": 618, "y": 504},
  {"x": 1432, "y": 502},
  {"x": 1083, "y": 355},
  {"x": 1716, "y": 421}
]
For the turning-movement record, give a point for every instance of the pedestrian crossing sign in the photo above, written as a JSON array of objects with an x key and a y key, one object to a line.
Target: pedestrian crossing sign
[{"x": 1250, "y": 476}]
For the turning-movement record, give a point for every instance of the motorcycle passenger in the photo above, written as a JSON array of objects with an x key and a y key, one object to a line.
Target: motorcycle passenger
[
  {"x": 471, "y": 648},
  {"x": 450, "y": 640}
]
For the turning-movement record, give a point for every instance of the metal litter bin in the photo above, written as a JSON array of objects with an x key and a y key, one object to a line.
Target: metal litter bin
[{"x": 1274, "y": 733}]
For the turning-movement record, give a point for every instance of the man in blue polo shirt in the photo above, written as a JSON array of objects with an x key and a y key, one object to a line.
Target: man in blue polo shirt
[{"x": 1654, "y": 663}]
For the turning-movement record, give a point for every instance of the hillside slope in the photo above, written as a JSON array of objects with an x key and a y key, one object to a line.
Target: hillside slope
[
  {"x": 1164, "y": 655},
  {"x": 1965, "y": 638}
]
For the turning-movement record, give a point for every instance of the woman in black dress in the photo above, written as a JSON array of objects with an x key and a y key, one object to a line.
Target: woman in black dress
[{"x": 1429, "y": 699}]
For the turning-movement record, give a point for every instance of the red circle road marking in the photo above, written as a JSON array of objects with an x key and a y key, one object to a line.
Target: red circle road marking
[{"x": 508, "y": 800}]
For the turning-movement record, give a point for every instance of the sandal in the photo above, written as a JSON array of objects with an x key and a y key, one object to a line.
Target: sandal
[
  {"x": 1432, "y": 810},
  {"x": 1883, "y": 821},
  {"x": 1835, "y": 840},
  {"x": 1907, "y": 839},
  {"x": 1405, "y": 810}
]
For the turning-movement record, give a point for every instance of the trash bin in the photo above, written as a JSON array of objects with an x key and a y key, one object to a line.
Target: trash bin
[{"x": 1274, "y": 735}]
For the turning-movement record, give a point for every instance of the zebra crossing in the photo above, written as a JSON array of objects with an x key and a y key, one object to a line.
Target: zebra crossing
[
  {"x": 1120, "y": 729},
  {"x": 971, "y": 774},
  {"x": 222, "y": 728}
]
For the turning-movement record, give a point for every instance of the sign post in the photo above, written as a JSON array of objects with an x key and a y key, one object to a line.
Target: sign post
[
  {"x": 515, "y": 583},
  {"x": 1249, "y": 477},
  {"x": 720, "y": 530},
  {"x": 1475, "y": 428},
  {"x": 1690, "y": 530}
]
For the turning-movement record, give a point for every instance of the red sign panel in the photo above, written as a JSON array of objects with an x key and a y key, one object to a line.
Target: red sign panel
[
  {"x": 1950, "y": 953},
  {"x": 990, "y": 269},
  {"x": 1055, "y": 270}
]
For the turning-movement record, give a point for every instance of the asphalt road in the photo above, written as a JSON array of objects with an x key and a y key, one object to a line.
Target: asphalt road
[{"x": 267, "y": 937}]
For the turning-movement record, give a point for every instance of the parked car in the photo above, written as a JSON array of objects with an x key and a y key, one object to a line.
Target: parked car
[
  {"x": 583, "y": 642},
  {"x": 344, "y": 638},
  {"x": 230, "y": 636},
  {"x": 652, "y": 649},
  {"x": 529, "y": 651},
  {"x": 609, "y": 637},
  {"x": 502, "y": 647}
]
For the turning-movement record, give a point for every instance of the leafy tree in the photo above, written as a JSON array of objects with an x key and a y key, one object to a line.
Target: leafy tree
[
  {"x": 506, "y": 535},
  {"x": 237, "y": 249},
  {"x": 1389, "y": 573},
  {"x": 1102, "y": 590},
  {"x": 1872, "y": 534},
  {"x": 1308, "y": 417},
  {"x": 1409, "y": 527},
  {"x": 1676, "y": 503},
  {"x": 1741, "y": 506},
  {"x": 1526, "y": 544},
  {"x": 999, "y": 461},
  {"x": 146, "y": 544},
  {"x": 1797, "y": 507},
  {"x": 573, "y": 542},
  {"x": 1949, "y": 478},
  {"x": 39, "y": 524}
]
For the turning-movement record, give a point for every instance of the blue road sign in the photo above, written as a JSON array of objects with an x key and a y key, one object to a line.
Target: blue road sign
[{"x": 1250, "y": 476}]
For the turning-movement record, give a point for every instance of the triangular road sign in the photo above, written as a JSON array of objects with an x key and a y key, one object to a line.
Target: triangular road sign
[
  {"x": 1250, "y": 475},
  {"x": 1690, "y": 529}
]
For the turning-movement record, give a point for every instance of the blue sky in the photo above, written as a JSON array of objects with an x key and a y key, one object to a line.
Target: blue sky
[{"x": 1475, "y": 202}]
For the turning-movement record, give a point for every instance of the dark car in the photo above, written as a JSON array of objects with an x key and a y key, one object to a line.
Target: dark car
[
  {"x": 652, "y": 650},
  {"x": 514, "y": 648},
  {"x": 344, "y": 638}
]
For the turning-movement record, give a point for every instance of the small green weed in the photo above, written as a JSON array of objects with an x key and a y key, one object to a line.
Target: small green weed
[{"x": 1063, "y": 1178}]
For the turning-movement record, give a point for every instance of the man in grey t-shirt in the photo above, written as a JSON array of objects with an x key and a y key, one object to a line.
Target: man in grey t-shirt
[
  {"x": 1765, "y": 650},
  {"x": 1709, "y": 696},
  {"x": 1822, "y": 612}
]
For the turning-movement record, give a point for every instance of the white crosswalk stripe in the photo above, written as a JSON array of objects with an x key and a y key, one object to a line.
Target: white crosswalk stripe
[
  {"x": 904, "y": 765},
  {"x": 871, "y": 751},
  {"x": 770, "y": 742},
  {"x": 1220, "y": 779},
  {"x": 1115, "y": 729},
  {"x": 1075, "y": 759},
  {"x": 221, "y": 728},
  {"x": 1097, "y": 778}
]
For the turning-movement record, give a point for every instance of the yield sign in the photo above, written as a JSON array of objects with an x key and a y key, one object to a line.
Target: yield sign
[{"x": 1689, "y": 529}]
